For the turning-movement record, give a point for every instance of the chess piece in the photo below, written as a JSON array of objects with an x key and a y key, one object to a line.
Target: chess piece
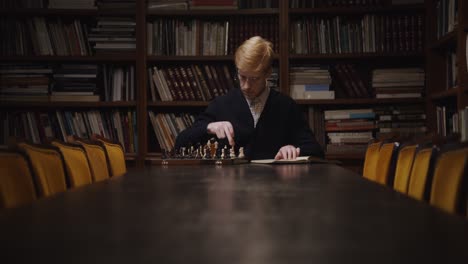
[
  {"x": 232, "y": 153},
  {"x": 241, "y": 153},
  {"x": 182, "y": 154},
  {"x": 216, "y": 153},
  {"x": 203, "y": 152},
  {"x": 223, "y": 153}
]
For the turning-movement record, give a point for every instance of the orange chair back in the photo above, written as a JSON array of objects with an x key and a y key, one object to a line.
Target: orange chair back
[
  {"x": 16, "y": 180},
  {"x": 48, "y": 168},
  {"x": 76, "y": 163},
  {"x": 403, "y": 168},
  {"x": 385, "y": 161},
  {"x": 449, "y": 174},
  {"x": 370, "y": 161},
  {"x": 421, "y": 174},
  {"x": 97, "y": 160}
]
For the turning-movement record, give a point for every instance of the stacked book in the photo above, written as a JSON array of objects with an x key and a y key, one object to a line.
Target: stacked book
[
  {"x": 189, "y": 82},
  {"x": 213, "y": 4},
  {"x": 24, "y": 82},
  {"x": 116, "y": 4},
  {"x": 119, "y": 82},
  {"x": 167, "y": 4},
  {"x": 349, "y": 131},
  {"x": 168, "y": 126},
  {"x": 113, "y": 34},
  {"x": 398, "y": 82},
  {"x": 75, "y": 82},
  {"x": 407, "y": 121},
  {"x": 448, "y": 120},
  {"x": 310, "y": 82},
  {"x": 72, "y": 4}
]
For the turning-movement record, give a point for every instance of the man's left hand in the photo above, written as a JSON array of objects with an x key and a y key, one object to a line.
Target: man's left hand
[{"x": 288, "y": 152}]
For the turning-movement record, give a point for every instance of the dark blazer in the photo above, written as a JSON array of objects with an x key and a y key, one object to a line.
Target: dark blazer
[{"x": 281, "y": 123}]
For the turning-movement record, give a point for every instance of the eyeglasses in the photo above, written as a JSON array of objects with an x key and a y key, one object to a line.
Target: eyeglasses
[{"x": 244, "y": 78}]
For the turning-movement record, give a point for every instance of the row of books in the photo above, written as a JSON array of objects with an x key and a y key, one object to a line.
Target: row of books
[
  {"x": 310, "y": 82},
  {"x": 346, "y": 3},
  {"x": 67, "y": 82},
  {"x": 210, "y": 4},
  {"x": 113, "y": 34},
  {"x": 447, "y": 16},
  {"x": 38, "y": 36},
  {"x": 68, "y": 4},
  {"x": 369, "y": 33},
  {"x": 345, "y": 81},
  {"x": 349, "y": 130},
  {"x": 196, "y": 82},
  {"x": 64, "y": 37},
  {"x": 39, "y": 127},
  {"x": 169, "y": 36},
  {"x": 167, "y": 126},
  {"x": 398, "y": 82},
  {"x": 404, "y": 120}
]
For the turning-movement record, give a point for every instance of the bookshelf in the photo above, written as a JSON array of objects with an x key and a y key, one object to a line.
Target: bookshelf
[
  {"x": 279, "y": 18},
  {"x": 446, "y": 66}
]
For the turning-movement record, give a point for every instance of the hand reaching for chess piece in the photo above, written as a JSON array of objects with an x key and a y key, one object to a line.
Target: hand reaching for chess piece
[{"x": 222, "y": 129}]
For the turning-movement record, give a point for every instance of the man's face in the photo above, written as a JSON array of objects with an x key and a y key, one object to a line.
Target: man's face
[{"x": 252, "y": 85}]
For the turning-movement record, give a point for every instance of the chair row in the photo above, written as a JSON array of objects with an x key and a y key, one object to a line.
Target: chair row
[
  {"x": 425, "y": 171},
  {"x": 30, "y": 171}
]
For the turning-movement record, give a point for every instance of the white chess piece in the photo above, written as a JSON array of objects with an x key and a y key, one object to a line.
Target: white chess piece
[
  {"x": 232, "y": 154},
  {"x": 241, "y": 153}
]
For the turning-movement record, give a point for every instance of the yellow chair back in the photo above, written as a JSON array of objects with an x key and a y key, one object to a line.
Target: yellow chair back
[
  {"x": 76, "y": 164},
  {"x": 116, "y": 157},
  {"x": 403, "y": 168},
  {"x": 370, "y": 161},
  {"x": 420, "y": 176},
  {"x": 97, "y": 160},
  {"x": 16, "y": 181},
  {"x": 48, "y": 168},
  {"x": 384, "y": 162},
  {"x": 447, "y": 182}
]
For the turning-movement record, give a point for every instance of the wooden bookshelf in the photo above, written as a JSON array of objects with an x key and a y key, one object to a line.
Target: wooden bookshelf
[
  {"x": 443, "y": 93},
  {"x": 283, "y": 60}
]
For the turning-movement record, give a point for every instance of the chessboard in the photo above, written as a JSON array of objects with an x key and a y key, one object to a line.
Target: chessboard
[
  {"x": 209, "y": 154},
  {"x": 174, "y": 161}
]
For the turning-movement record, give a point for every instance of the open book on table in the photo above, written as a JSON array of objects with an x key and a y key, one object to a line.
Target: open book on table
[{"x": 301, "y": 159}]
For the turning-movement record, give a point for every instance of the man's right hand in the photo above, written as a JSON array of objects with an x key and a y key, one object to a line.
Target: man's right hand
[{"x": 222, "y": 129}]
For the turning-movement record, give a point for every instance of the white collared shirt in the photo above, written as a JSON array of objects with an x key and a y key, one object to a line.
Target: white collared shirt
[{"x": 257, "y": 104}]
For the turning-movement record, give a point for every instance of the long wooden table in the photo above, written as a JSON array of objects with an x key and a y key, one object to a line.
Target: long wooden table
[{"x": 317, "y": 213}]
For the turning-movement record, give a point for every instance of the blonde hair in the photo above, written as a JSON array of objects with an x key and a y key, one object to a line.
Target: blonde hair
[{"x": 254, "y": 55}]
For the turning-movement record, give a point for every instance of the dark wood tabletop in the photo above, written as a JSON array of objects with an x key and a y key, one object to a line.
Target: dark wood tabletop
[{"x": 317, "y": 213}]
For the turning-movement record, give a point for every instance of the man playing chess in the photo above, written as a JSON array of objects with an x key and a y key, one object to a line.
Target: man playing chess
[{"x": 265, "y": 122}]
